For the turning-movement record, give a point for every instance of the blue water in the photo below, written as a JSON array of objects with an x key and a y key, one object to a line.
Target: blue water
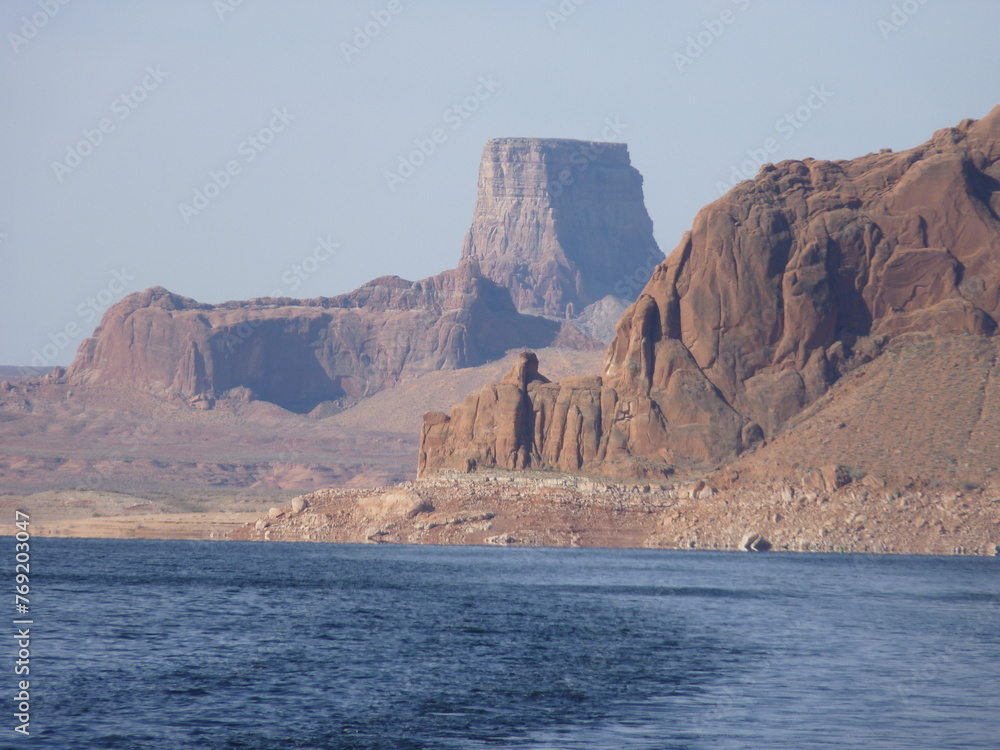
[{"x": 175, "y": 645}]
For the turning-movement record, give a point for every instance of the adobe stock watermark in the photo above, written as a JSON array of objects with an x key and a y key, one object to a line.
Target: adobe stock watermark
[
  {"x": 786, "y": 127},
  {"x": 299, "y": 272},
  {"x": 31, "y": 25},
  {"x": 454, "y": 117},
  {"x": 102, "y": 472},
  {"x": 629, "y": 285},
  {"x": 121, "y": 107},
  {"x": 585, "y": 155},
  {"x": 369, "y": 30},
  {"x": 899, "y": 17},
  {"x": 561, "y": 13},
  {"x": 88, "y": 312},
  {"x": 713, "y": 29},
  {"x": 912, "y": 689},
  {"x": 224, "y": 7},
  {"x": 250, "y": 148},
  {"x": 292, "y": 278}
]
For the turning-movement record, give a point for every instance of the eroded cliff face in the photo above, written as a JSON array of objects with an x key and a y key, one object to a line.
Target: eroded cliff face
[
  {"x": 558, "y": 225},
  {"x": 782, "y": 285},
  {"x": 581, "y": 424},
  {"x": 299, "y": 353},
  {"x": 561, "y": 223}
]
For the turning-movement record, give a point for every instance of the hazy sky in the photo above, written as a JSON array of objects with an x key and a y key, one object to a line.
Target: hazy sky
[{"x": 116, "y": 116}]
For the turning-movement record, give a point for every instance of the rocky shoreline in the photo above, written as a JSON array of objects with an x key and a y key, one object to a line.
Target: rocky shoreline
[{"x": 548, "y": 509}]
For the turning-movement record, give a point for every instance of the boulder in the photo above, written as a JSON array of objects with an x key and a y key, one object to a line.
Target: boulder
[
  {"x": 397, "y": 503},
  {"x": 834, "y": 477},
  {"x": 754, "y": 542}
]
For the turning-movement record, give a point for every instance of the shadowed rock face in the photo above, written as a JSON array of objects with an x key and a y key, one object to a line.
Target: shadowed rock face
[
  {"x": 782, "y": 285},
  {"x": 299, "y": 353},
  {"x": 561, "y": 223}
]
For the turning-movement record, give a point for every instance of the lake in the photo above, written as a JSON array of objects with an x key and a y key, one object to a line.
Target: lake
[{"x": 175, "y": 644}]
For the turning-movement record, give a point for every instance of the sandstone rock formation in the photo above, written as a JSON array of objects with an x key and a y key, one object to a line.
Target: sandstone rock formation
[
  {"x": 561, "y": 223},
  {"x": 558, "y": 225},
  {"x": 299, "y": 353},
  {"x": 782, "y": 286}
]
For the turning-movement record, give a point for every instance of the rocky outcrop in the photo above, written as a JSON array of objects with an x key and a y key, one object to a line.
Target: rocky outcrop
[
  {"x": 299, "y": 353},
  {"x": 561, "y": 223},
  {"x": 585, "y": 424},
  {"x": 782, "y": 286}
]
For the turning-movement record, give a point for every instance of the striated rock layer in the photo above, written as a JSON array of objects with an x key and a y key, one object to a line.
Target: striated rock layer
[
  {"x": 299, "y": 353},
  {"x": 561, "y": 223},
  {"x": 782, "y": 286}
]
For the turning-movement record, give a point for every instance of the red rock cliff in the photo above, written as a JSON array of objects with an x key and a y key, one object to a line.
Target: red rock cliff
[
  {"x": 782, "y": 285},
  {"x": 298, "y": 353},
  {"x": 561, "y": 223},
  {"x": 558, "y": 225}
]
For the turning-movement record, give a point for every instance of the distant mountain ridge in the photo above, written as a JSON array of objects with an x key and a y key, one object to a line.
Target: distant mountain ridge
[
  {"x": 300, "y": 353},
  {"x": 559, "y": 225}
]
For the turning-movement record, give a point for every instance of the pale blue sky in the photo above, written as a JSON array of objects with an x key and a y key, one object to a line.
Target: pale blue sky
[{"x": 209, "y": 83}]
